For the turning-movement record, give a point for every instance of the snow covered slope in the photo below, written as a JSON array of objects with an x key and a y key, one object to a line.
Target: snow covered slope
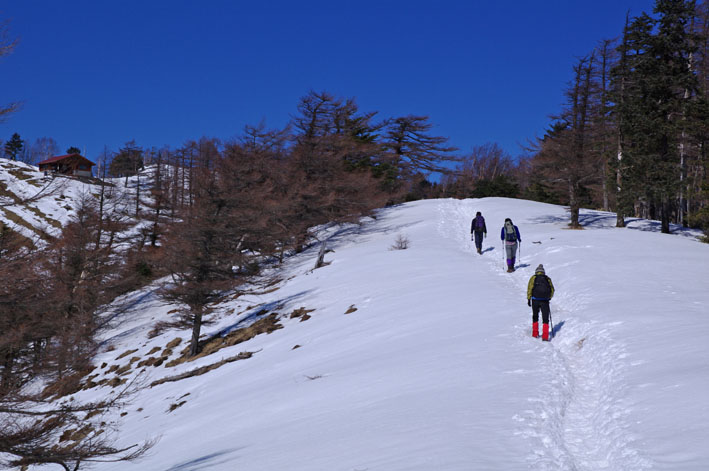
[
  {"x": 34, "y": 205},
  {"x": 434, "y": 367},
  {"x": 38, "y": 206}
]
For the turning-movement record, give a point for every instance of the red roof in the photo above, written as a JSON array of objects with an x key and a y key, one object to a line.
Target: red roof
[{"x": 62, "y": 157}]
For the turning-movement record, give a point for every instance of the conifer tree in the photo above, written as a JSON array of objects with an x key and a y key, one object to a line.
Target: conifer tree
[
  {"x": 659, "y": 95},
  {"x": 14, "y": 146}
]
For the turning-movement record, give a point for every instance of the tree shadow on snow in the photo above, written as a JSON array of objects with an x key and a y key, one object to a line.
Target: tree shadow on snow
[
  {"x": 205, "y": 462},
  {"x": 261, "y": 311},
  {"x": 603, "y": 220}
]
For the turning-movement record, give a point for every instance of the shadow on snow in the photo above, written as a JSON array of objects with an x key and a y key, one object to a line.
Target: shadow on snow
[
  {"x": 602, "y": 220},
  {"x": 205, "y": 462}
]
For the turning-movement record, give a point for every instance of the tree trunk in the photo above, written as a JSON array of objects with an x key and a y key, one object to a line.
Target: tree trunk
[
  {"x": 321, "y": 255},
  {"x": 8, "y": 364},
  {"x": 573, "y": 205},
  {"x": 619, "y": 217},
  {"x": 196, "y": 328},
  {"x": 137, "y": 193},
  {"x": 665, "y": 215},
  {"x": 606, "y": 206}
]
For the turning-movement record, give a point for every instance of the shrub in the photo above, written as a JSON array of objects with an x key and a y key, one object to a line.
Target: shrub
[{"x": 401, "y": 243}]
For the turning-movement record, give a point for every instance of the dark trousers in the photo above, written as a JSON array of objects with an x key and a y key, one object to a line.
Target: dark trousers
[
  {"x": 536, "y": 306},
  {"x": 478, "y": 239}
]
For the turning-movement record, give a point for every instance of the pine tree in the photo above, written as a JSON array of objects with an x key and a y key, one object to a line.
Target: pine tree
[
  {"x": 14, "y": 146},
  {"x": 658, "y": 99},
  {"x": 128, "y": 161}
]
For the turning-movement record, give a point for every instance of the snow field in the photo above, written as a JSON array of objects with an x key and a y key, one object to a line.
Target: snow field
[{"x": 437, "y": 369}]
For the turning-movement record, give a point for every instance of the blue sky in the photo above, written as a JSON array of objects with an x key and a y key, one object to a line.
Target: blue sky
[{"x": 94, "y": 73}]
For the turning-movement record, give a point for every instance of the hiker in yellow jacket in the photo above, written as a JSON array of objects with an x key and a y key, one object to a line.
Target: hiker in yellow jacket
[{"x": 540, "y": 290}]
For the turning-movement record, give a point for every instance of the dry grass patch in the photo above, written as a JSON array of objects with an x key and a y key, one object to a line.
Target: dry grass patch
[
  {"x": 211, "y": 345},
  {"x": 67, "y": 385},
  {"x": 175, "y": 406},
  {"x": 116, "y": 381},
  {"x": 76, "y": 435},
  {"x": 23, "y": 241},
  {"x": 92, "y": 413},
  {"x": 7, "y": 193},
  {"x": 203, "y": 369},
  {"x": 150, "y": 361},
  {"x": 126, "y": 353},
  {"x": 44, "y": 217},
  {"x": 20, "y": 174},
  {"x": 301, "y": 313},
  {"x": 351, "y": 309},
  {"x": 14, "y": 217},
  {"x": 154, "y": 350}
]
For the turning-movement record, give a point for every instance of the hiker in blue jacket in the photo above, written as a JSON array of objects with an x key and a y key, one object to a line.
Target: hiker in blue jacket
[
  {"x": 510, "y": 238},
  {"x": 478, "y": 230}
]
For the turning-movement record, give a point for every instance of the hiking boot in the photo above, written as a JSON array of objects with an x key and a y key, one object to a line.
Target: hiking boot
[
  {"x": 545, "y": 332},
  {"x": 480, "y": 251},
  {"x": 535, "y": 329}
]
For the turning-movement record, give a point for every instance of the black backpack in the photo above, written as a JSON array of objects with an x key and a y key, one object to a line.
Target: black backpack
[
  {"x": 479, "y": 223},
  {"x": 542, "y": 287}
]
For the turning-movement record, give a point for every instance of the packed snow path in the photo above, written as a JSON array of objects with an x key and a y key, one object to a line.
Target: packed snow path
[{"x": 576, "y": 418}]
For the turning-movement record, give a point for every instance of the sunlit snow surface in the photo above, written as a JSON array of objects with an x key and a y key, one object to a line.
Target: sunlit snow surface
[{"x": 436, "y": 369}]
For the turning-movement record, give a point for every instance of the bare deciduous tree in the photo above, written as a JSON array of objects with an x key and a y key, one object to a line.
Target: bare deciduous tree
[{"x": 7, "y": 45}]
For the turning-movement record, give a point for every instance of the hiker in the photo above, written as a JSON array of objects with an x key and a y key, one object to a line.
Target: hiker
[
  {"x": 478, "y": 230},
  {"x": 510, "y": 237},
  {"x": 539, "y": 291}
]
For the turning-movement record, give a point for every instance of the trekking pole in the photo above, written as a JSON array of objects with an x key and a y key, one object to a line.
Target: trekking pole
[
  {"x": 520, "y": 252},
  {"x": 551, "y": 326}
]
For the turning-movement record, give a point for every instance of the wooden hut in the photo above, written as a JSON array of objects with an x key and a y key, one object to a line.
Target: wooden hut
[{"x": 70, "y": 164}]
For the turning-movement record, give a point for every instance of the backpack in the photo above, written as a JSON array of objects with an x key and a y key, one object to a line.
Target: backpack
[
  {"x": 542, "y": 287},
  {"x": 479, "y": 223},
  {"x": 510, "y": 235}
]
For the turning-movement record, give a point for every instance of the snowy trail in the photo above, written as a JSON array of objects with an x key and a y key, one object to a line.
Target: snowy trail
[{"x": 576, "y": 417}]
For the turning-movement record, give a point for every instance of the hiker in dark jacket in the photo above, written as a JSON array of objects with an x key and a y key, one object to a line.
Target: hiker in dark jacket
[
  {"x": 540, "y": 290},
  {"x": 478, "y": 230},
  {"x": 510, "y": 237}
]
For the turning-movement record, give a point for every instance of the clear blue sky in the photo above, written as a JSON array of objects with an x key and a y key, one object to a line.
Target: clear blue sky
[{"x": 94, "y": 73}]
